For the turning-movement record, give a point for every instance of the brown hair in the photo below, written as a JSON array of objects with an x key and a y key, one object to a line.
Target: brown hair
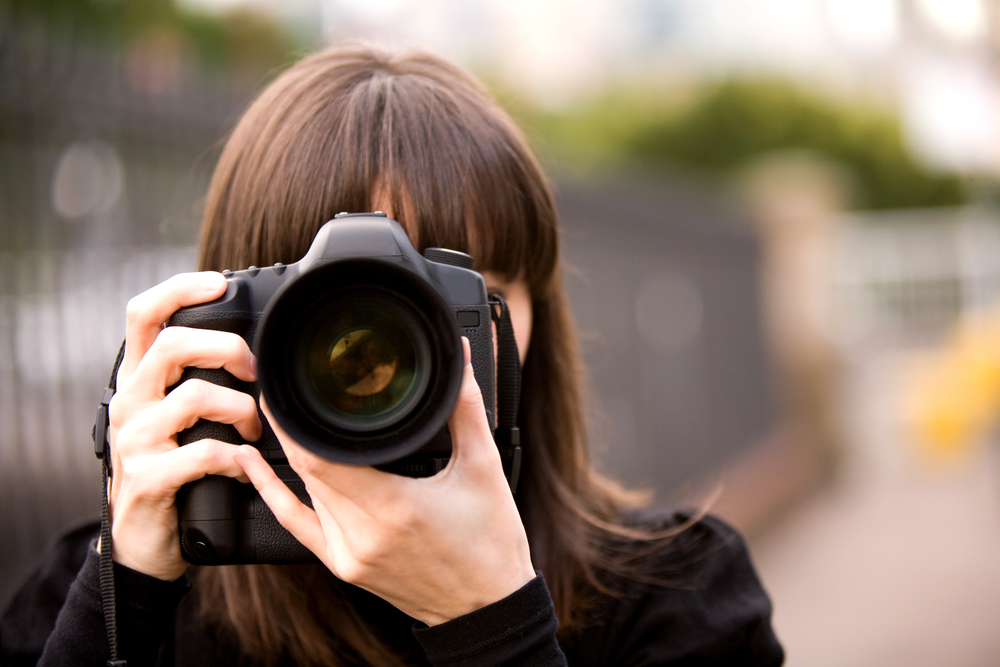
[{"x": 336, "y": 132}]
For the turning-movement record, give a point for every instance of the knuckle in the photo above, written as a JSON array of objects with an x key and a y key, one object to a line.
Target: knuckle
[
  {"x": 118, "y": 410},
  {"x": 238, "y": 348},
  {"x": 127, "y": 439},
  {"x": 248, "y": 403},
  {"x": 123, "y": 437},
  {"x": 289, "y": 507},
  {"x": 301, "y": 462},
  {"x": 134, "y": 311},
  {"x": 193, "y": 394},
  {"x": 208, "y": 456},
  {"x": 132, "y": 472},
  {"x": 168, "y": 341},
  {"x": 366, "y": 554},
  {"x": 471, "y": 396},
  {"x": 294, "y": 459},
  {"x": 121, "y": 378},
  {"x": 306, "y": 464},
  {"x": 351, "y": 570},
  {"x": 403, "y": 517},
  {"x": 247, "y": 410},
  {"x": 267, "y": 488}
]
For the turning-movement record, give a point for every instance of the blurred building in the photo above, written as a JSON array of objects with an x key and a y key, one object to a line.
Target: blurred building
[
  {"x": 664, "y": 278},
  {"x": 934, "y": 60},
  {"x": 104, "y": 158}
]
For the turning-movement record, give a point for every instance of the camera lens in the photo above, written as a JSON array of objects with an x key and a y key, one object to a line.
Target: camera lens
[{"x": 361, "y": 360}]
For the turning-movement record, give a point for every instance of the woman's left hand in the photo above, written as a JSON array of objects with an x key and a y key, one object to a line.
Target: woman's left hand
[{"x": 436, "y": 548}]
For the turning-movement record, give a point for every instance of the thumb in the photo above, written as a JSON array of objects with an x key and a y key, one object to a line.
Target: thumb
[{"x": 471, "y": 436}]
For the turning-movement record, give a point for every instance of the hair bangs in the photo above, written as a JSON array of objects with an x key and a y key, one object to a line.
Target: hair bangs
[
  {"x": 460, "y": 176},
  {"x": 405, "y": 132}
]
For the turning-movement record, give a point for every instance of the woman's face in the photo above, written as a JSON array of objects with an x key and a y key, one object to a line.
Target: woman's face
[{"x": 518, "y": 300}]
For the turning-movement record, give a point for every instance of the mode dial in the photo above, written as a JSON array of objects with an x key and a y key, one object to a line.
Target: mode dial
[{"x": 449, "y": 257}]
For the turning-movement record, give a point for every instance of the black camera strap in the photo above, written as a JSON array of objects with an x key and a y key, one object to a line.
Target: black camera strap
[
  {"x": 508, "y": 397},
  {"x": 103, "y": 452},
  {"x": 507, "y": 434}
]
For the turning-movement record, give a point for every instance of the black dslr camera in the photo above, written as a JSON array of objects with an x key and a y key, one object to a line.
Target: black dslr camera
[{"x": 360, "y": 359}]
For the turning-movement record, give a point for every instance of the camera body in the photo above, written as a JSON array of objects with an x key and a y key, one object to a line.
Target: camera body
[{"x": 359, "y": 357}]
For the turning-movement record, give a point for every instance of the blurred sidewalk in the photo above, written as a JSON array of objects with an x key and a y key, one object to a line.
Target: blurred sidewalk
[{"x": 897, "y": 562}]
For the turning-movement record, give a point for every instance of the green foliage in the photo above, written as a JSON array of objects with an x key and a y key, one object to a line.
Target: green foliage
[
  {"x": 240, "y": 44},
  {"x": 727, "y": 126}
]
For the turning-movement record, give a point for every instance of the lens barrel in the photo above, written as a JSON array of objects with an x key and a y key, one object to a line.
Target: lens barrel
[{"x": 359, "y": 360}]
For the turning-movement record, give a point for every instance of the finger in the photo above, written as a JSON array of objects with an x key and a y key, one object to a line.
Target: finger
[
  {"x": 146, "y": 313},
  {"x": 153, "y": 428},
  {"x": 338, "y": 554},
  {"x": 471, "y": 437},
  {"x": 197, "y": 399},
  {"x": 177, "y": 467},
  {"x": 347, "y": 480},
  {"x": 176, "y": 348},
  {"x": 297, "y": 518}
]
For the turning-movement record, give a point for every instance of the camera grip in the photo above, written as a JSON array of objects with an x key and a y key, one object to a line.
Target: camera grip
[{"x": 221, "y": 520}]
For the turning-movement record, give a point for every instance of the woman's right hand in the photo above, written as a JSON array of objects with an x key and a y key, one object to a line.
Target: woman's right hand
[{"x": 148, "y": 465}]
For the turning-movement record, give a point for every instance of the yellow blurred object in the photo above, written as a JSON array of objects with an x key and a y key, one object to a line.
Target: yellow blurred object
[{"x": 953, "y": 398}]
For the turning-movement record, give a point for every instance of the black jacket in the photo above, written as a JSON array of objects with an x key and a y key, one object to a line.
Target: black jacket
[{"x": 713, "y": 612}]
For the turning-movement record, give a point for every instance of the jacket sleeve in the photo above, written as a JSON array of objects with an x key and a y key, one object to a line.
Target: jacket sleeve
[
  {"x": 518, "y": 630},
  {"x": 145, "y": 609},
  {"x": 57, "y": 617},
  {"x": 31, "y": 614}
]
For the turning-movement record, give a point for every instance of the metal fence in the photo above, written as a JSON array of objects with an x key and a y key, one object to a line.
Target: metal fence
[
  {"x": 61, "y": 326},
  {"x": 903, "y": 278},
  {"x": 100, "y": 181}
]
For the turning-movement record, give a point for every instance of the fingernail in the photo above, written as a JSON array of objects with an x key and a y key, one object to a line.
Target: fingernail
[
  {"x": 253, "y": 365},
  {"x": 211, "y": 281}
]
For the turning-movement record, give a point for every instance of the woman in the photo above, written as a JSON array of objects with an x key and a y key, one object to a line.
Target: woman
[{"x": 440, "y": 570}]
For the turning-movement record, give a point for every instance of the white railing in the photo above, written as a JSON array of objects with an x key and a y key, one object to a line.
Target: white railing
[
  {"x": 903, "y": 278},
  {"x": 61, "y": 324}
]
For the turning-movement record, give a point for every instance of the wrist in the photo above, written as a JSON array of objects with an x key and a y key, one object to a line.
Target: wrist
[
  {"x": 498, "y": 589},
  {"x": 156, "y": 568}
]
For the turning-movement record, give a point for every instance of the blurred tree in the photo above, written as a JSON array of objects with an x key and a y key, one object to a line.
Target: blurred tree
[
  {"x": 724, "y": 127},
  {"x": 739, "y": 120},
  {"x": 242, "y": 45}
]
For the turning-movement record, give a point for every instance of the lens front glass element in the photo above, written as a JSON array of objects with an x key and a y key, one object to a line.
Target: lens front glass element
[{"x": 361, "y": 360}]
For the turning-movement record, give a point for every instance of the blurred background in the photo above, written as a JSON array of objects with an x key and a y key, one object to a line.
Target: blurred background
[{"x": 782, "y": 241}]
